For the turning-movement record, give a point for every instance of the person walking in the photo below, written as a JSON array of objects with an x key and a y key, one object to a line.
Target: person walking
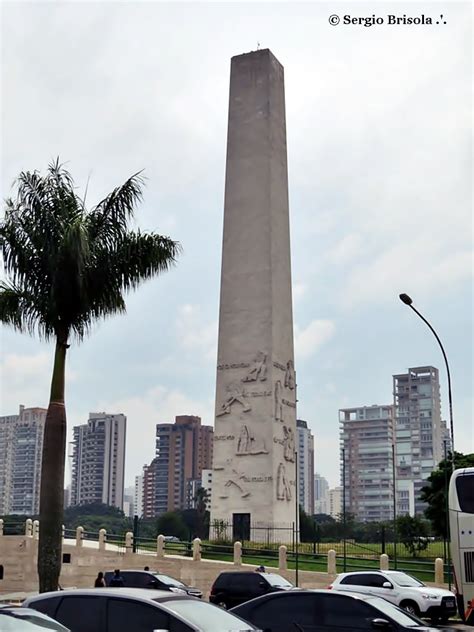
[
  {"x": 99, "y": 581},
  {"x": 117, "y": 580}
]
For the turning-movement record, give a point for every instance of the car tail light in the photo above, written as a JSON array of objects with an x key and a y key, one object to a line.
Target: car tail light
[
  {"x": 329, "y": 587},
  {"x": 213, "y": 591}
]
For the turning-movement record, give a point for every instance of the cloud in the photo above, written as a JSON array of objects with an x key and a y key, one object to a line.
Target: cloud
[
  {"x": 195, "y": 335},
  {"x": 299, "y": 290},
  {"x": 28, "y": 377},
  {"x": 347, "y": 249},
  {"x": 312, "y": 337}
]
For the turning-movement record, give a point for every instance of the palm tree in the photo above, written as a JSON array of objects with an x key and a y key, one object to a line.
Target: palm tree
[{"x": 67, "y": 267}]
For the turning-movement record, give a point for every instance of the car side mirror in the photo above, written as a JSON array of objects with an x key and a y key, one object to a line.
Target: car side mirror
[
  {"x": 381, "y": 624},
  {"x": 387, "y": 585}
]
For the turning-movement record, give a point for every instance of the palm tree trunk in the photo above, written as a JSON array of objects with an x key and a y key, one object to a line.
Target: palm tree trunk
[{"x": 52, "y": 477}]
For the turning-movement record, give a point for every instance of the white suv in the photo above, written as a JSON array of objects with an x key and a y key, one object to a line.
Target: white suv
[{"x": 402, "y": 590}]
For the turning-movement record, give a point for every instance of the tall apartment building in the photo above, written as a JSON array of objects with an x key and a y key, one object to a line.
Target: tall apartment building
[
  {"x": 305, "y": 466},
  {"x": 183, "y": 450},
  {"x": 335, "y": 502},
  {"x": 367, "y": 438},
  {"x": 420, "y": 433},
  {"x": 98, "y": 460},
  {"x": 21, "y": 446},
  {"x": 321, "y": 494}
]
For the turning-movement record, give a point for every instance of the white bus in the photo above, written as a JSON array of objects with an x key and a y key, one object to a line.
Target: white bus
[{"x": 461, "y": 525}]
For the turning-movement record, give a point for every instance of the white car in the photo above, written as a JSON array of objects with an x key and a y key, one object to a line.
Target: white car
[{"x": 402, "y": 590}]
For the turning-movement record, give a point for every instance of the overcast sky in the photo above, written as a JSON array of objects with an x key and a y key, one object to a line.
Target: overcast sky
[{"x": 379, "y": 154}]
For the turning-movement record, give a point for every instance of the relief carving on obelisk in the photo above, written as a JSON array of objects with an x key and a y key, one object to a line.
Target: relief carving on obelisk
[
  {"x": 235, "y": 394},
  {"x": 283, "y": 485},
  {"x": 288, "y": 444},
  {"x": 258, "y": 370},
  {"x": 248, "y": 444},
  {"x": 278, "y": 395}
]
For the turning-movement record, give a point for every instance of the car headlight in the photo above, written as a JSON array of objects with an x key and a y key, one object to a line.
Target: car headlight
[
  {"x": 432, "y": 597},
  {"x": 178, "y": 590}
]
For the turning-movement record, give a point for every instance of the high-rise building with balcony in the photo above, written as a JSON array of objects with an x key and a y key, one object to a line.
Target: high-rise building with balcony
[
  {"x": 420, "y": 434},
  {"x": 183, "y": 450},
  {"x": 305, "y": 466},
  {"x": 21, "y": 447},
  {"x": 367, "y": 439},
  {"x": 98, "y": 460},
  {"x": 321, "y": 494}
]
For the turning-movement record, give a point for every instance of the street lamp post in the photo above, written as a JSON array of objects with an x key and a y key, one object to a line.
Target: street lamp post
[{"x": 408, "y": 301}]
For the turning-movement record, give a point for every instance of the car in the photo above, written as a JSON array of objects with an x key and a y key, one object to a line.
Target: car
[
  {"x": 302, "y": 610},
  {"x": 134, "y": 610},
  {"x": 403, "y": 590},
  {"x": 233, "y": 588},
  {"x": 16, "y": 619},
  {"x": 151, "y": 579}
]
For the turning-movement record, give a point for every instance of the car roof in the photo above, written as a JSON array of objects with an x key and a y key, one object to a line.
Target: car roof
[
  {"x": 145, "y": 594},
  {"x": 306, "y": 591},
  {"x": 134, "y": 570}
]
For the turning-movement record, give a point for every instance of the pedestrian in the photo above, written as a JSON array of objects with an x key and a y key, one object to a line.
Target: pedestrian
[
  {"x": 117, "y": 579},
  {"x": 147, "y": 568},
  {"x": 99, "y": 581},
  {"x": 260, "y": 569}
]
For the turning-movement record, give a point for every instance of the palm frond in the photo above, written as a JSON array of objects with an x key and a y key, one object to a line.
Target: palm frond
[{"x": 109, "y": 219}]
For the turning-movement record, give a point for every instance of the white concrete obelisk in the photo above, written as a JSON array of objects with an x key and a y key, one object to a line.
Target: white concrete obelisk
[{"x": 255, "y": 426}]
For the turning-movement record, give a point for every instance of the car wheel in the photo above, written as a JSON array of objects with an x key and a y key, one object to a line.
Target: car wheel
[{"x": 411, "y": 607}]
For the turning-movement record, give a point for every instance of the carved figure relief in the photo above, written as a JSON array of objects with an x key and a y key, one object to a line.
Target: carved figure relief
[
  {"x": 278, "y": 401},
  {"x": 283, "y": 486},
  {"x": 238, "y": 481},
  {"x": 290, "y": 375},
  {"x": 259, "y": 370},
  {"x": 247, "y": 443},
  {"x": 235, "y": 394},
  {"x": 288, "y": 444}
]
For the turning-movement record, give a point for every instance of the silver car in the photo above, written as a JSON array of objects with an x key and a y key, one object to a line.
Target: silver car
[
  {"x": 135, "y": 610},
  {"x": 16, "y": 619}
]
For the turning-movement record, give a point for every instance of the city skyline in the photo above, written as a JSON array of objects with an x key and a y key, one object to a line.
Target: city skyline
[{"x": 373, "y": 178}]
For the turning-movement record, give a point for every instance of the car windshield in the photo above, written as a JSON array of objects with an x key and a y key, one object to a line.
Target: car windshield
[
  {"x": 277, "y": 580},
  {"x": 169, "y": 581},
  {"x": 396, "y": 614},
  {"x": 207, "y": 617},
  {"x": 17, "y": 620},
  {"x": 406, "y": 581}
]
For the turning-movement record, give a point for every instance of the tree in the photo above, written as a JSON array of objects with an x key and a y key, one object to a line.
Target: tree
[
  {"x": 202, "y": 514},
  {"x": 171, "y": 523},
  {"x": 67, "y": 267},
  {"x": 434, "y": 493},
  {"x": 412, "y": 533},
  {"x": 307, "y": 527}
]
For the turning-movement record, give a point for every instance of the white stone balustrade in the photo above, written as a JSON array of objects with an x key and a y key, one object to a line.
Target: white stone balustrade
[
  {"x": 439, "y": 571},
  {"x": 160, "y": 546},
  {"x": 332, "y": 562},
  {"x": 29, "y": 527},
  {"x": 237, "y": 553},
  {"x": 129, "y": 542},
  {"x": 102, "y": 539},
  {"x": 384, "y": 562},
  {"x": 197, "y": 549},
  {"x": 79, "y": 536},
  {"x": 36, "y": 529},
  {"x": 282, "y": 558}
]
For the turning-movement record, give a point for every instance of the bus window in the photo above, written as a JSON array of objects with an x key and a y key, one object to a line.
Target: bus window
[{"x": 465, "y": 491}]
